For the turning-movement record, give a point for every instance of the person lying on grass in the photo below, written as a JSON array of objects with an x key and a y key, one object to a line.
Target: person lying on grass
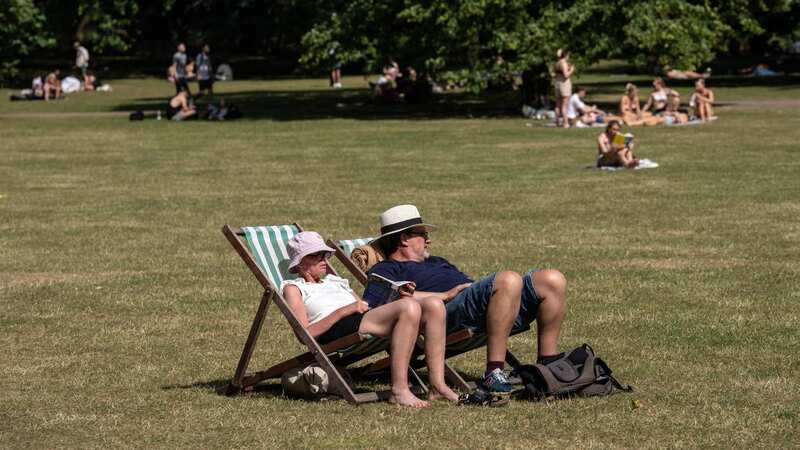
[
  {"x": 611, "y": 151},
  {"x": 495, "y": 304},
  {"x": 327, "y": 307}
]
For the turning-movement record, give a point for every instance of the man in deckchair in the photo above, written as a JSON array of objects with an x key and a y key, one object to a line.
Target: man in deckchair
[{"x": 495, "y": 304}]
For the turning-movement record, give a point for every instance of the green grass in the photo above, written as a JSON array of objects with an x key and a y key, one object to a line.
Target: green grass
[{"x": 123, "y": 308}]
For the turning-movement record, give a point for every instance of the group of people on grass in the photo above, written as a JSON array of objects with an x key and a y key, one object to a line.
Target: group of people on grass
[
  {"x": 52, "y": 86},
  {"x": 181, "y": 106},
  {"x": 182, "y": 70},
  {"x": 439, "y": 300},
  {"x": 663, "y": 105}
]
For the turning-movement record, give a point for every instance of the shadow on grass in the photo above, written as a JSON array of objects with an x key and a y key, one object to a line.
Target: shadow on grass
[{"x": 359, "y": 104}]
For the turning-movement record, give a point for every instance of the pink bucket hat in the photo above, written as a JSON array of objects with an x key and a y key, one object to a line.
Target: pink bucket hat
[{"x": 304, "y": 244}]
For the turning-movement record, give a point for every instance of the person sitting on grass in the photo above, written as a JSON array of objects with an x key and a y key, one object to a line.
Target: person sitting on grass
[
  {"x": 673, "y": 115},
  {"x": 702, "y": 101},
  {"x": 657, "y": 101},
  {"x": 631, "y": 110},
  {"x": 327, "y": 307},
  {"x": 611, "y": 149},
  {"x": 579, "y": 113},
  {"x": 52, "y": 85},
  {"x": 495, "y": 304},
  {"x": 179, "y": 107}
]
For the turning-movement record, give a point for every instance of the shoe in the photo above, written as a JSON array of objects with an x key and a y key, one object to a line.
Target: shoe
[
  {"x": 496, "y": 383},
  {"x": 481, "y": 397},
  {"x": 580, "y": 124}
]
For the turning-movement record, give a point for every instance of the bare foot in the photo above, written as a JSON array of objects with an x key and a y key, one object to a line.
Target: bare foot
[
  {"x": 435, "y": 393},
  {"x": 407, "y": 398}
]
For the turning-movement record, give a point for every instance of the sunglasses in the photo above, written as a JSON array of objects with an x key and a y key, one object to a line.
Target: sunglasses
[{"x": 424, "y": 234}]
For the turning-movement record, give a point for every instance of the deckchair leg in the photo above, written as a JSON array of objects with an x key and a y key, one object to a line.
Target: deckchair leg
[
  {"x": 247, "y": 352},
  {"x": 512, "y": 360},
  {"x": 455, "y": 379}
]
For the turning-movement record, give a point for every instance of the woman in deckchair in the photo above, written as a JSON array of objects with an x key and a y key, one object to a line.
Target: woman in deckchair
[
  {"x": 631, "y": 110},
  {"x": 327, "y": 307}
]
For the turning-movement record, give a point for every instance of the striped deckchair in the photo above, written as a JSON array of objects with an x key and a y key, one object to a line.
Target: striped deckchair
[
  {"x": 457, "y": 343},
  {"x": 263, "y": 249}
]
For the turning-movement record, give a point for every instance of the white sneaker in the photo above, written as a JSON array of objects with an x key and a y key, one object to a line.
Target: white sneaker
[
  {"x": 337, "y": 85},
  {"x": 580, "y": 124}
]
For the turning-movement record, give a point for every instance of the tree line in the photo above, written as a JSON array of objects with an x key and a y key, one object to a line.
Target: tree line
[{"x": 471, "y": 42}]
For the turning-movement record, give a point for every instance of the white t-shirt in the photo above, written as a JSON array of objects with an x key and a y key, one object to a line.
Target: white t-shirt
[
  {"x": 322, "y": 299},
  {"x": 575, "y": 106}
]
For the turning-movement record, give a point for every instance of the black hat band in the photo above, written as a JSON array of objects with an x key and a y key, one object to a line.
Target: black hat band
[{"x": 401, "y": 225}]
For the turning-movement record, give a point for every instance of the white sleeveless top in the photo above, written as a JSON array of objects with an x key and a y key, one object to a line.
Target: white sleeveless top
[{"x": 322, "y": 299}]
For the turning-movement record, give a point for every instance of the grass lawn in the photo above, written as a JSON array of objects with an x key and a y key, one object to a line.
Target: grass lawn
[{"x": 123, "y": 309}]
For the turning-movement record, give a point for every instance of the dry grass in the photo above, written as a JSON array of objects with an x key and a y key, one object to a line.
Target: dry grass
[{"x": 124, "y": 309}]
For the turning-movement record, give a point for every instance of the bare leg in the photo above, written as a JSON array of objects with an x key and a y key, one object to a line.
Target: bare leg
[
  {"x": 564, "y": 109},
  {"x": 551, "y": 287},
  {"x": 433, "y": 321},
  {"x": 399, "y": 321},
  {"x": 503, "y": 310}
]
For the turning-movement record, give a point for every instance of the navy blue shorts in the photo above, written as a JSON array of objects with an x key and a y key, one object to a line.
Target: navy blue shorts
[
  {"x": 344, "y": 327},
  {"x": 468, "y": 310}
]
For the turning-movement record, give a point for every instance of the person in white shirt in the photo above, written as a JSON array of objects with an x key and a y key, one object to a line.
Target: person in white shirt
[
  {"x": 81, "y": 58},
  {"x": 579, "y": 113},
  {"x": 327, "y": 307}
]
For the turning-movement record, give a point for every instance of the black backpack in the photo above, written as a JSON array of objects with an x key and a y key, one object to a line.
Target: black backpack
[{"x": 578, "y": 373}]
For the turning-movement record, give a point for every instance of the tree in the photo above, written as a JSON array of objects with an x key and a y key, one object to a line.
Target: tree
[
  {"x": 106, "y": 25},
  {"x": 21, "y": 32},
  {"x": 477, "y": 42}
]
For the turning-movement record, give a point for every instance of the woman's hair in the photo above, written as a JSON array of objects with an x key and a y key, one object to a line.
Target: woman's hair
[
  {"x": 611, "y": 124},
  {"x": 630, "y": 87},
  {"x": 660, "y": 82}
]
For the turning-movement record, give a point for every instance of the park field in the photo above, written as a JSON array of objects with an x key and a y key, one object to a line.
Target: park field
[{"x": 123, "y": 310}]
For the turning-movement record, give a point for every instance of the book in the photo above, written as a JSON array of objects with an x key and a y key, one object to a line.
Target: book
[
  {"x": 623, "y": 140},
  {"x": 387, "y": 289}
]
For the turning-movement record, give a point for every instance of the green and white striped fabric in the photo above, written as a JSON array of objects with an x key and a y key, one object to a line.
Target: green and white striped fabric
[
  {"x": 348, "y": 245},
  {"x": 268, "y": 246}
]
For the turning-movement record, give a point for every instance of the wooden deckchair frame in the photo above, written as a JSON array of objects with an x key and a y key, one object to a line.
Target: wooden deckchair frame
[
  {"x": 459, "y": 337},
  {"x": 242, "y": 382}
]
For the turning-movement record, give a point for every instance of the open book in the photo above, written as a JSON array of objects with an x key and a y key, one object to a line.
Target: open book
[
  {"x": 385, "y": 288},
  {"x": 623, "y": 140}
]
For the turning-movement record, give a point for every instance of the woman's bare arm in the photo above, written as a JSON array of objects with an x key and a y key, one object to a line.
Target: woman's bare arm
[{"x": 295, "y": 300}]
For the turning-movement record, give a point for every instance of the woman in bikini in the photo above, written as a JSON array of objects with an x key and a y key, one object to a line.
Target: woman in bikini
[
  {"x": 327, "y": 307},
  {"x": 562, "y": 71},
  {"x": 631, "y": 111},
  {"x": 702, "y": 100},
  {"x": 657, "y": 101}
]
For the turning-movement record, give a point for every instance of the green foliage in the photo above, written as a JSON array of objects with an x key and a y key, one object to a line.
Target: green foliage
[
  {"x": 671, "y": 33},
  {"x": 105, "y": 25},
  {"x": 475, "y": 43},
  {"x": 21, "y": 32}
]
